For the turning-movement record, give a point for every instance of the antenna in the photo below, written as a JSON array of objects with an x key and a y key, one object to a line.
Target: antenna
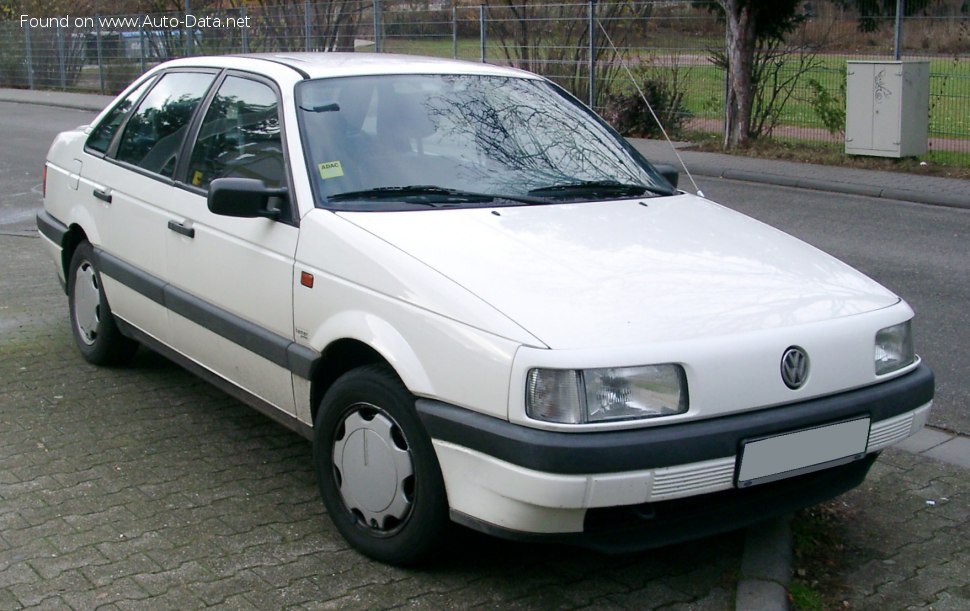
[{"x": 650, "y": 108}]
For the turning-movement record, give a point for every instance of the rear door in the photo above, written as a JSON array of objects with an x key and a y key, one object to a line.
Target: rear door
[{"x": 128, "y": 183}]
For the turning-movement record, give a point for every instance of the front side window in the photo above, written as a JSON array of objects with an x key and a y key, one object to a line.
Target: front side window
[
  {"x": 373, "y": 142},
  {"x": 240, "y": 136},
  {"x": 155, "y": 132},
  {"x": 102, "y": 135}
]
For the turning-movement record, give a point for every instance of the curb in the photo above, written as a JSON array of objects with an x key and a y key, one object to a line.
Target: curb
[
  {"x": 919, "y": 197},
  {"x": 58, "y": 99},
  {"x": 766, "y": 567}
]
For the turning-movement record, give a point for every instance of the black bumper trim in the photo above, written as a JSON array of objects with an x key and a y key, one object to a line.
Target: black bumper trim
[
  {"x": 51, "y": 228},
  {"x": 669, "y": 445}
]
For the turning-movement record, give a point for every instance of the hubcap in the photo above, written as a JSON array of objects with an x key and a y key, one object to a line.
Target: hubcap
[
  {"x": 373, "y": 468},
  {"x": 87, "y": 302}
]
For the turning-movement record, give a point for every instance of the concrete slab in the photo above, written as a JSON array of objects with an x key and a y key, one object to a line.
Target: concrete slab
[
  {"x": 924, "y": 440},
  {"x": 761, "y": 595},
  {"x": 955, "y": 452}
]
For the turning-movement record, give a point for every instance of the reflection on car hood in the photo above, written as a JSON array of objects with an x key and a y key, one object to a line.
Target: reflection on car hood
[{"x": 619, "y": 273}]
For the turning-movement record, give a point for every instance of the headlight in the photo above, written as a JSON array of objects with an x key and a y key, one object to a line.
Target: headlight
[
  {"x": 894, "y": 348},
  {"x": 572, "y": 396}
]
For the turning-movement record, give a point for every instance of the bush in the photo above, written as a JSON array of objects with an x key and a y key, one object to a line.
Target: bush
[{"x": 629, "y": 114}]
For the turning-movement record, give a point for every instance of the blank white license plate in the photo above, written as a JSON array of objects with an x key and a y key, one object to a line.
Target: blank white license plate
[{"x": 773, "y": 458}]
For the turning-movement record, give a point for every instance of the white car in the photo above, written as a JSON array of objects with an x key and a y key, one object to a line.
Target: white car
[{"x": 480, "y": 303}]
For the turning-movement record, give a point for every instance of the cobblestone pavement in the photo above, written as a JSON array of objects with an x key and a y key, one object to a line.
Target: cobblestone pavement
[
  {"x": 904, "y": 536},
  {"x": 144, "y": 487}
]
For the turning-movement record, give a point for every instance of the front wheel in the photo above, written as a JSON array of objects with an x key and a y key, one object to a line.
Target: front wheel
[
  {"x": 377, "y": 470},
  {"x": 95, "y": 331}
]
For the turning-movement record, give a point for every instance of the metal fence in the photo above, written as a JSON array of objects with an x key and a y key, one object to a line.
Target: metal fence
[{"x": 673, "y": 48}]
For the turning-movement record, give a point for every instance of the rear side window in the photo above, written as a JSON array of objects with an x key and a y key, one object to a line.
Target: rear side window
[
  {"x": 240, "y": 136},
  {"x": 102, "y": 135},
  {"x": 154, "y": 133}
]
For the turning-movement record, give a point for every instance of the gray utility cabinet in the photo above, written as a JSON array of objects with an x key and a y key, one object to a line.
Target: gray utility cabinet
[{"x": 887, "y": 108}]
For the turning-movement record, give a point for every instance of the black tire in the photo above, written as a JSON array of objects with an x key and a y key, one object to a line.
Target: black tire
[
  {"x": 92, "y": 323},
  {"x": 374, "y": 397}
]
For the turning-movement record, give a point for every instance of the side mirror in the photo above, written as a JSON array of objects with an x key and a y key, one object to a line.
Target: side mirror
[
  {"x": 245, "y": 197},
  {"x": 669, "y": 172}
]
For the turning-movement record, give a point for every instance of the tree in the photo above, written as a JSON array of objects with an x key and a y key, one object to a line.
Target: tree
[
  {"x": 751, "y": 24},
  {"x": 553, "y": 39}
]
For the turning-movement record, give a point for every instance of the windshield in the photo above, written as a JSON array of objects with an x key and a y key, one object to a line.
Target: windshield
[{"x": 391, "y": 141}]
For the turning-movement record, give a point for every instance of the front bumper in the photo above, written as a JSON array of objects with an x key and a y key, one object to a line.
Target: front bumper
[{"x": 520, "y": 482}]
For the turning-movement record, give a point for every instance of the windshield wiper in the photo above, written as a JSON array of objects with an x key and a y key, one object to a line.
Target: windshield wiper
[
  {"x": 607, "y": 188},
  {"x": 430, "y": 195}
]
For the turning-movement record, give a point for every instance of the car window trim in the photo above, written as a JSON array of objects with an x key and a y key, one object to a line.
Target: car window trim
[
  {"x": 116, "y": 141},
  {"x": 291, "y": 216}
]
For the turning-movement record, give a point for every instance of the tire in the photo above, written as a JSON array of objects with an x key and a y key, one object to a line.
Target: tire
[
  {"x": 92, "y": 323},
  {"x": 378, "y": 473}
]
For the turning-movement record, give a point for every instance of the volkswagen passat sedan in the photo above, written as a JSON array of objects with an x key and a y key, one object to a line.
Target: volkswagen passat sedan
[{"x": 480, "y": 303}]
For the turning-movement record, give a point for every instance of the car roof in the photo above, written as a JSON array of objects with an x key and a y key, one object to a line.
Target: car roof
[{"x": 323, "y": 65}]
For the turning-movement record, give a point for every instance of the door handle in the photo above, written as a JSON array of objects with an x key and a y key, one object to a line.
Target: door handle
[
  {"x": 181, "y": 229},
  {"x": 102, "y": 195}
]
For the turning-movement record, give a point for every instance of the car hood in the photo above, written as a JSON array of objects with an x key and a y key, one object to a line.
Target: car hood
[{"x": 599, "y": 274}]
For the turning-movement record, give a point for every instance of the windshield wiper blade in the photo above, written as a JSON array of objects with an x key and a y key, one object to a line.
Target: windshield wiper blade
[
  {"x": 428, "y": 194},
  {"x": 597, "y": 187}
]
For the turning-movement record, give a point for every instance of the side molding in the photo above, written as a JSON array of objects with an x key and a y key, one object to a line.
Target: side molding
[{"x": 273, "y": 347}]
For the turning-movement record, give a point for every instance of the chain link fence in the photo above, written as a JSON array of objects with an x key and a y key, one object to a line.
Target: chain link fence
[{"x": 672, "y": 49}]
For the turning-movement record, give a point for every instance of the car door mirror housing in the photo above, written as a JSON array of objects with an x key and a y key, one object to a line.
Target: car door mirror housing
[{"x": 245, "y": 197}]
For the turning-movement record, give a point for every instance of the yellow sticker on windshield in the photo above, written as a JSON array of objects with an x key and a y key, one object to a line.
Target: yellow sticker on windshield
[{"x": 330, "y": 169}]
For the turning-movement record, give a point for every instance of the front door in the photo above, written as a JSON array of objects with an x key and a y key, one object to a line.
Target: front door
[{"x": 230, "y": 279}]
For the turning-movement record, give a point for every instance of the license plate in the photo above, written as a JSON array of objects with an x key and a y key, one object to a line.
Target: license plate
[{"x": 790, "y": 454}]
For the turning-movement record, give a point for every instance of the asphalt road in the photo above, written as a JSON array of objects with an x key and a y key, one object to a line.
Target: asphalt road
[
  {"x": 26, "y": 132},
  {"x": 921, "y": 252}
]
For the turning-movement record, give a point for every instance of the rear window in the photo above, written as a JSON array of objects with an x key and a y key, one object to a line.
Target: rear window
[
  {"x": 102, "y": 135},
  {"x": 154, "y": 133}
]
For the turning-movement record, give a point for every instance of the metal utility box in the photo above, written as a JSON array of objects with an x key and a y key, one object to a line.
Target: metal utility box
[{"x": 887, "y": 108}]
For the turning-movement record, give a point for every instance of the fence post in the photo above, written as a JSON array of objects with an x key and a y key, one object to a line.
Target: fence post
[
  {"x": 454, "y": 31},
  {"x": 898, "y": 38},
  {"x": 481, "y": 27},
  {"x": 30, "y": 58},
  {"x": 61, "y": 71},
  {"x": 244, "y": 26},
  {"x": 377, "y": 26},
  {"x": 188, "y": 32},
  {"x": 97, "y": 33},
  {"x": 142, "y": 35},
  {"x": 592, "y": 53},
  {"x": 306, "y": 25}
]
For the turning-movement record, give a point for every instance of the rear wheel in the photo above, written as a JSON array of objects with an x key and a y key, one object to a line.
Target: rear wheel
[
  {"x": 377, "y": 470},
  {"x": 95, "y": 330}
]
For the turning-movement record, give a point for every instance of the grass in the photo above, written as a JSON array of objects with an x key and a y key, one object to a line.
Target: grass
[
  {"x": 938, "y": 163},
  {"x": 704, "y": 90},
  {"x": 817, "y": 558}
]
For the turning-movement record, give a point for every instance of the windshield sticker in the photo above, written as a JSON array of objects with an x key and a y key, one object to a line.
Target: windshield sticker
[{"x": 330, "y": 169}]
